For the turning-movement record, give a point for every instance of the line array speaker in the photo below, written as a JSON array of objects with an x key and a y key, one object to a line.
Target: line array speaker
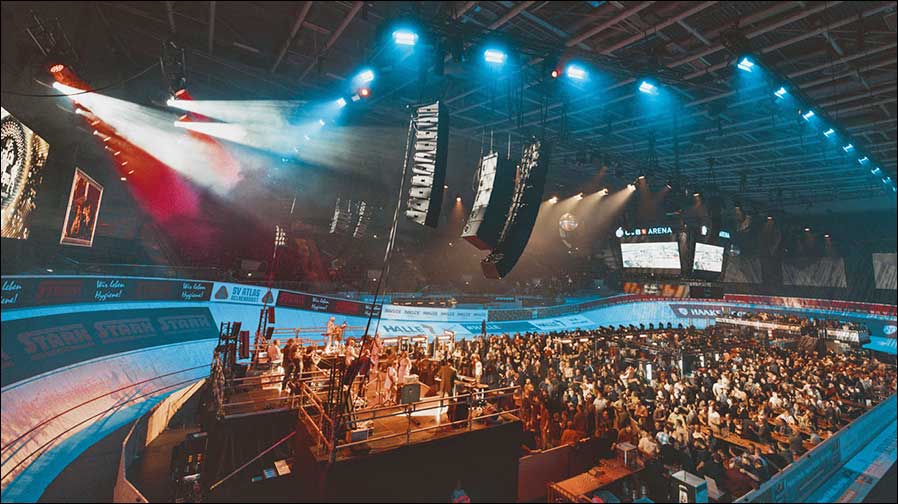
[
  {"x": 494, "y": 191},
  {"x": 430, "y": 149},
  {"x": 528, "y": 194}
]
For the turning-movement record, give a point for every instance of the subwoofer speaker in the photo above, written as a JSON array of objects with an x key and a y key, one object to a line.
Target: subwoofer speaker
[
  {"x": 495, "y": 187},
  {"x": 528, "y": 194}
]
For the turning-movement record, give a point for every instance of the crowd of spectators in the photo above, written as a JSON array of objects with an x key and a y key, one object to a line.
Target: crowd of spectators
[{"x": 738, "y": 413}]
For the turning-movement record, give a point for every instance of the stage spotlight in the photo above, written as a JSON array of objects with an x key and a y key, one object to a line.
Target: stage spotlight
[
  {"x": 828, "y": 133},
  {"x": 746, "y": 65},
  {"x": 307, "y": 137},
  {"x": 848, "y": 147},
  {"x": 631, "y": 187},
  {"x": 781, "y": 92},
  {"x": 807, "y": 230},
  {"x": 769, "y": 217},
  {"x": 405, "y": 37},
  {"x": 554, "y": 74},
  {"x": 648, "y": 88},
  {"x": 826, "y": 236},
  {"x": 124, "y": 179},
  {"x": 458, "y": 199},
  {"x": 697, "y": 195},
  {"x": 341, "y": 102},
  {"x": 704, "y": 230},
  {"x": 876, "y": 171},
  {"x": 808, "y": 115},
  {"x": 365, "y": 76},
  {"x": 605, "y": 191},
  {"x": 580, "y": 196},
  {"x": 553, "y": 200},
  {"x": 494, "y": 56},
  {"x": 863, "y": 160},
  {"x": 57, "y": 68},
  {"x": 364, "y": 92},
  {"x": 640, "y": 177},
  {"x": 321, "y": 122},
  {"x": 576, "y": 72}
]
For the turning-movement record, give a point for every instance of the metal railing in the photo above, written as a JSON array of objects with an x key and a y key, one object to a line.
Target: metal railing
[
  {"x": 320, "y": 424},
  {"x": 11, "y": 449}
]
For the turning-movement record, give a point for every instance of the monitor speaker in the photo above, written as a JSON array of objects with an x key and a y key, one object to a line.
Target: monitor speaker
[
  {"x": 526, "y": 199},
  {"x": 495, "y": 187},
  {"x": 410, "y": 393},
  {"x": 429, "y": 149}
]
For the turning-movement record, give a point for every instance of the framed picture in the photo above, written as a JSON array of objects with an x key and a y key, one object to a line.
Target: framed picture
[{"x": 83, "y": 211}]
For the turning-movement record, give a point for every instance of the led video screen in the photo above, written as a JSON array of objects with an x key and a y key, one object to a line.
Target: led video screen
[
  {"x": 708, "y": 258},
  {"x": 657, "y": 255},
  {"x": 24, "y": 156}
]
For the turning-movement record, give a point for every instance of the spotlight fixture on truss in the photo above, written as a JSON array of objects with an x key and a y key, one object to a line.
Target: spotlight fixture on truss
[{"x": 174, "y": 67}]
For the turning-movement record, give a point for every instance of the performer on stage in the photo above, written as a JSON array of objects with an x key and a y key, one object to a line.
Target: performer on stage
[
  {"x": 331, "y": 329},
  {"x": 405, "y": 367},
  {"x": 390, "y": 383}
]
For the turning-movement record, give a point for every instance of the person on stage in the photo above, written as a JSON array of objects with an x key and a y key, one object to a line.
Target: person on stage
[{"x": 329, "y": 332}]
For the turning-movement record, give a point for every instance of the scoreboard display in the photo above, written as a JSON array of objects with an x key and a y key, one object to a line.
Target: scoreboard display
[{"x": 653, "y": 250}]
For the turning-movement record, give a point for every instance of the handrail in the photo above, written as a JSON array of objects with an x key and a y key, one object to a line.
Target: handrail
[
  {"x": 835, "y": 440},
  {"x": 35, "y": 427},
  {"x": 82, "y": 422}
]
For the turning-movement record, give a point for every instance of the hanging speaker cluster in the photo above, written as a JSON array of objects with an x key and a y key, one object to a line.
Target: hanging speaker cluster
[
  {"x": 521, "y": 216},
  {"x": 495, "y": 187},
  {"x": 430, "y": 126}
]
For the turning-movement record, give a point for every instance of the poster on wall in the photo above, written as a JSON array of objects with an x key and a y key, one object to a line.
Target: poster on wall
[
  {"x": 82, "y": 212},
  {"x": 24, "y": 156}
]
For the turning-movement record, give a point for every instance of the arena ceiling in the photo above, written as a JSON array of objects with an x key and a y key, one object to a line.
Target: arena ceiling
[{"x": 839, "y": 56}]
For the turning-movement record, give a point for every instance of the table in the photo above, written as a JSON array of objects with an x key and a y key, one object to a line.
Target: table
[{"x": 573, "y": 488}]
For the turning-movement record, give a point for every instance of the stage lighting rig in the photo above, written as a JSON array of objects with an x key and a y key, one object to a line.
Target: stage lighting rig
[{"x": 174, "y": 67}]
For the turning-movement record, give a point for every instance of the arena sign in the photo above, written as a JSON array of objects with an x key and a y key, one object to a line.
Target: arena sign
[
  {"x": 37, "y": 345},
  {"x": 244, "y": 294},
  {"x": 652, "y": 231},
  {"x": 21, "y": 292}
]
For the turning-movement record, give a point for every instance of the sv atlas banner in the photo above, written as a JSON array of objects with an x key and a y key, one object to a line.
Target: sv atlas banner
[
  {"x": 37, "y": 345},
  {"x": 398, "y": 312},
  {"x": 245, "y": 294},
  {"x": 20, "y": 292}
]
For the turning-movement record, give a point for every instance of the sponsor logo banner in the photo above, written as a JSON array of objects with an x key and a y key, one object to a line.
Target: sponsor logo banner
[
  {"x": 37, "y": 345},
  {"x": 42, "y": 291},
  {"x": 398, "y": 312},
  {"x": 388, "y": 328},
  {"x": 708, "y": 311},
  {"x": 246, "y": 294},
  {"x": 302, "y": 301}
]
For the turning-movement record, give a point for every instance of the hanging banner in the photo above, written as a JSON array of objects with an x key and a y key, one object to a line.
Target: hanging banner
[
  {"x": 24, "y": 156},
  {"x": 21, "y": 292},
  {"x": 424, "y": 313},
  {"x": 244, "y": 294},
  {"x": 83, "y": 211},
  {"x": 33, "y": 346}
]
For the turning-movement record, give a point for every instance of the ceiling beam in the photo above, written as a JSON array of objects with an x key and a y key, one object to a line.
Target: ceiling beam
[
  {"x": 211, "y": 27},
  {"x": 517, "y": 9},
  {"x": 356, "y": 7},
  {"x": 657, "y": 28},
  {"x": 297, "y": 24}
]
